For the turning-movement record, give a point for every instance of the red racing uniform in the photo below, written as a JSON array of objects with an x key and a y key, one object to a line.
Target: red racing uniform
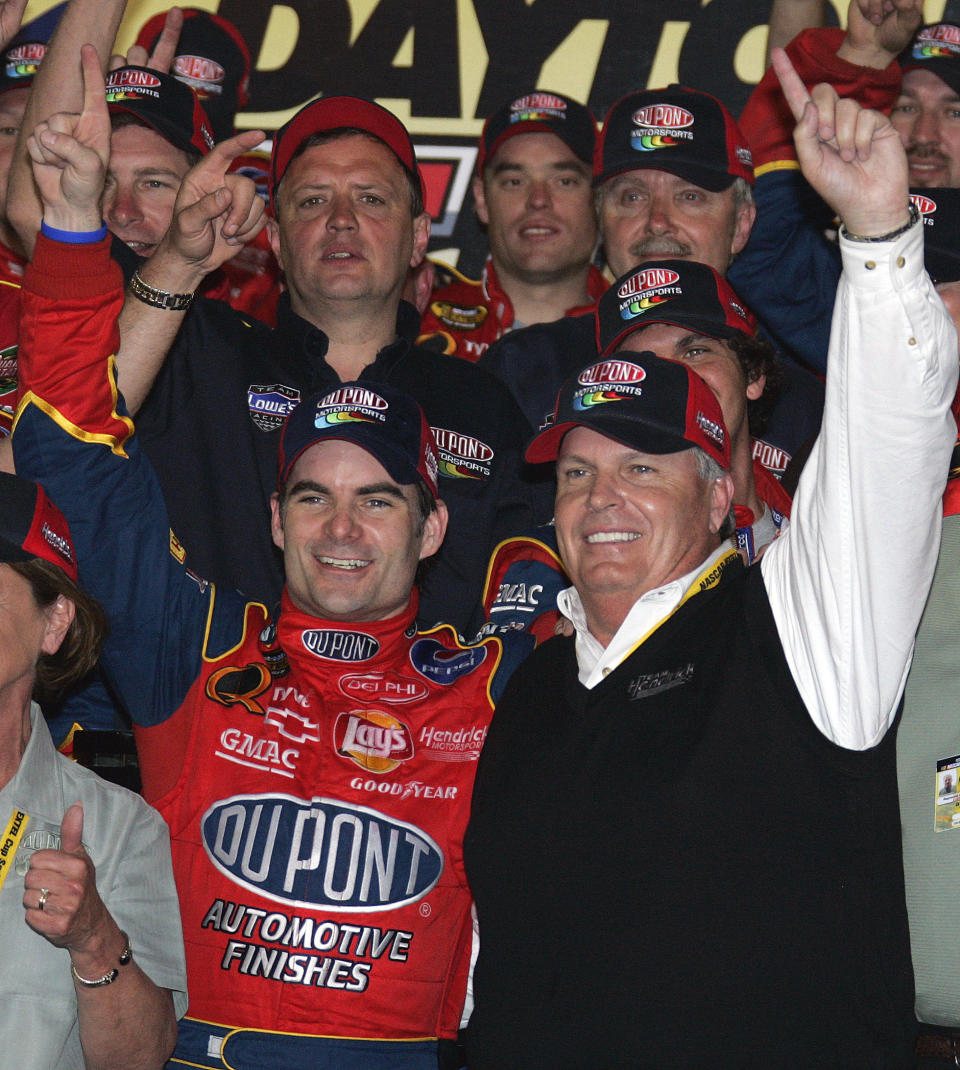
[
  {"x": 466, "y": 315},
  {"x": 315, "y": 775}
]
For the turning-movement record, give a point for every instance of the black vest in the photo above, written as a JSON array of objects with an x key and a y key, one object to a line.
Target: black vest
[{"x": 675, "y": 868}]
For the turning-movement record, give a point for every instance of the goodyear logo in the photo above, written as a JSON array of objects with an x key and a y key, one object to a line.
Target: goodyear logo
[
  {"x": 128, "y": 78},
  {"x": 611, "y": 371},
  {"x": 372, "y": 739},
  {"x": 647, "y": 279},
  {"x": 334, "y": 645},
  {"x": 443, "y": 666},
  {"x": 459, "y": 317},
  {"x": 320, "y": 852}
]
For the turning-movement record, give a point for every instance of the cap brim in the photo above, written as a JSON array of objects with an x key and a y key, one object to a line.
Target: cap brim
[
  {"x": 705, "y": 178},
  {"x": 545, "y": 446}
]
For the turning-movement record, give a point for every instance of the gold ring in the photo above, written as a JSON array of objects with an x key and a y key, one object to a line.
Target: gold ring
[{"x": 44, "y": 892}]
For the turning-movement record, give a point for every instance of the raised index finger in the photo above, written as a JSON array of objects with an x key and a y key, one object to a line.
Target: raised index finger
[
  {"x": 225, "y": 152},
  {"x": 792, "y": 85},
  {"x": 94, "y": 91}
]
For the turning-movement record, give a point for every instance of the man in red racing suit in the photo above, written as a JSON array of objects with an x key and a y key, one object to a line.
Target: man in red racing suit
[{"x": 315, "y": 773}]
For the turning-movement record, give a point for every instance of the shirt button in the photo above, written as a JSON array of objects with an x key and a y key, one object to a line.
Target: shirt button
[
  {"x": 605, "y": 671},
  {"x": 900, "y": 261},
  {"x": 870, "y": 265},
  {"x": 911, "y": 341}
]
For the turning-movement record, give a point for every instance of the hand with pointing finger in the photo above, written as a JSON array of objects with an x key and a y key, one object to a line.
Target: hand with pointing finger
[
  {"x": 216, "y": 211},
  {"x": 850, "y": 155}
]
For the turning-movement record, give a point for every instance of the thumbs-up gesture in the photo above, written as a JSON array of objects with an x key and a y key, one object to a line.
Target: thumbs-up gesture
[{"x": 60, "y": 890}]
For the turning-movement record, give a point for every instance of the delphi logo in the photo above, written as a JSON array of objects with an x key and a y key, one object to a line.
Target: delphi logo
[{"x": 372, "y": 739}]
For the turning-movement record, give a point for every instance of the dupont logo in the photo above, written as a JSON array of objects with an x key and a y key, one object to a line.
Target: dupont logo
[
  {"x": 374, "y": 740},
  {"x": 943, "y": 32},
  {"x": 462, "y": 447},
  {"x": 128, "y": 78},
  {"x": 611, "y": 371},
  {"x": 383, "y": 687},
  {"x": 353, "y": 395},
  {"x": 647, "y": 279},
  {"x": 334, "y": 645},
  {"x": 33, "y": 52},
  {"x": 667, "y": 116},
  {"x": 198, "y": 68},
  {"x": 925, "y": 206},
  {"x": 534, "y": 101},
  {"x": 320, "y": 852}
]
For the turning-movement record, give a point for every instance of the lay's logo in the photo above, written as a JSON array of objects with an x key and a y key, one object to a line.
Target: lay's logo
[
  {"x": 669, "y": 116},
  {"x": 534, "y": 101},
  {"x": 611, "y": 371},
  {"x": 128, "y": 78},
  {"x": 925, "y": 206},
  {"x": 648, "y": 279}
]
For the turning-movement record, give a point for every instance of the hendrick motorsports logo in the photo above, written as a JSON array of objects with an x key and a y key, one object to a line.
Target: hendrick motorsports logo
[{"x": 320, "y": 852}]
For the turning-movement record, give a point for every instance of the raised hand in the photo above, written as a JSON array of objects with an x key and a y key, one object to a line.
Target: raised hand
[
  {"x": 216, "y": 212},
  {"x": 69, "y": 154},
  {"x": 72, "y": 914},
  {"x": 11, "y": 15},
  {"x": 164, "y": 51},
  {"x": 850, "y": 155},
  {"x": 885, "y": 26}
]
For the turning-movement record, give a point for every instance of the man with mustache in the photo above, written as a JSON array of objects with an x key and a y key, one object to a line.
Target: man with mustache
[{"x": 673, "y": 176}]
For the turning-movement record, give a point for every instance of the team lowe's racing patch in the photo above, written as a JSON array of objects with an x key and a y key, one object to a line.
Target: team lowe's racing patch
[{"x": 270, "y": 405}]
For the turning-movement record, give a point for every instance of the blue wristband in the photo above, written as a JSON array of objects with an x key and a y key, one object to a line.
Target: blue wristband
[{"x": 73, "y": 237}]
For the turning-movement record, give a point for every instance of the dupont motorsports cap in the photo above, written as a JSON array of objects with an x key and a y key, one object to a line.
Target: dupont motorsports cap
[
  {"x": 385, "y": 422},
  {"x": 935, "y": 48},
  {"x": 649, "y": 404},
  {"x": 164, "y": 104},
  {"x": 683, "y": 131},
  {"x": 540, "y": 113},
  {"x": 682, "y": 293}
]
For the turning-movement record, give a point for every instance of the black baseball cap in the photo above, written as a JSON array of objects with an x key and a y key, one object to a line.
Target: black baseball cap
[
  {"x": 682, "y": 293},
  {"x": 32, "y": 526},
  {"x": 385, "y": 422},
  {"x": 649, "y": 404},
  {"x": 540, "y": 112},
  {"x": 683, "y": 131},
  {"x": 935, "y": 48},
  {"x": 164, "y": 104},
  {"x": 212, "y": 59}
]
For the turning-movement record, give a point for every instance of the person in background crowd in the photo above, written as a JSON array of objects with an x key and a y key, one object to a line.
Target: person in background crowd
[
  {"x": 93, "y": 973},
  {"x": 213, "y": 59},
  {"x": 677, "y": 310},
  {"x": 673, "y": 174},
  {"x": 532, "y": 193},
  {"x": 703, "y": 778}
]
